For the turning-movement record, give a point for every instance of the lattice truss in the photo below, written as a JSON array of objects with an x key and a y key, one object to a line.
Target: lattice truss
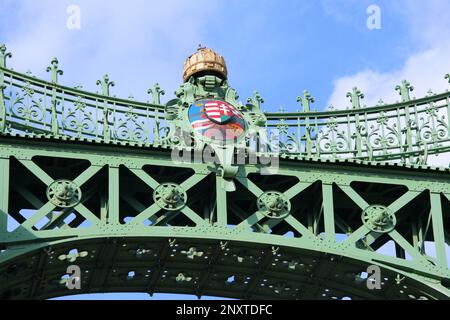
[
  {"x": 135, "y": 221},
  {"x": 87, "y": 179}
]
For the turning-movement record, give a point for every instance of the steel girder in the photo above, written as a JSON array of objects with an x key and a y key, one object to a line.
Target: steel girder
[{"x": 143, "y": 223}]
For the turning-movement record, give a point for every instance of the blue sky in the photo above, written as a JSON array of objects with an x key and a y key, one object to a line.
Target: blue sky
[{"x": 279, "y": 47}]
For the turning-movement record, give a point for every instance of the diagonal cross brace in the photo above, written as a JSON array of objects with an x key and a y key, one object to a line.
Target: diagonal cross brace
[
  {"x": 397, "y": 237},
  {"x": 155, "y": 208},
  {"x": 394, "y": 207},
  {"x": 258, "y": 216},
  {"x": 49, "y": 207}
]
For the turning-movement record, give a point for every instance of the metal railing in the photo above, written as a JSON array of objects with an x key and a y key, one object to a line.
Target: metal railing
[{"x": 408, "y": 131}]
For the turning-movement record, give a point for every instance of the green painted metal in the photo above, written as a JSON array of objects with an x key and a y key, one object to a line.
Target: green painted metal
[
  {"x": 408, "y": 131},
  {"x": 90, "y": 180}
]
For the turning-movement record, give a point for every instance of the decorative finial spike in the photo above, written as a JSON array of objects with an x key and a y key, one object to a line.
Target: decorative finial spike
[
  {"x": 404, "y": 89},
  {"x": 4, "y": 55},
  {"x": 257, "y": 100},
  {"x": 306, "y": 101},
  {"x": 156, "y": 93},
  {"x": 105, "y": 84},
  {"x": 355, "y": 97},
  {"x": 53, "y": 68}
]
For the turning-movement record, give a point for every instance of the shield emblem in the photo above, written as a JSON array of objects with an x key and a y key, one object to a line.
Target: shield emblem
[
  {"x": 217, "y": 120},
  {"x": 219, "y": 112}
]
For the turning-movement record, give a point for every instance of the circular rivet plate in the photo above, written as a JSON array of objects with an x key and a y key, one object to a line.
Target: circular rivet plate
[
  {"x": 64, "y": 193},
  {"x": 379, "y": 218},
  {"x": 274, "y": 204},
  {"x": 170, "y": 196}
]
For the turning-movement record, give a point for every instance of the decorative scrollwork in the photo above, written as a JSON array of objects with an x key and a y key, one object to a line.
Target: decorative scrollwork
[
  {"x": 382, "y": 135},
  {"x": 399, "y": 131},
  {"x": 434, "y": 128},
  {"x": 332, "y": 140},
  {"x": 80, "y": 118},
  {"x": 28, "y": 108}
]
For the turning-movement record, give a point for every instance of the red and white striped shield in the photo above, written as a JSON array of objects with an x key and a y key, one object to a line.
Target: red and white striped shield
[{"x": 219, "y": 112}]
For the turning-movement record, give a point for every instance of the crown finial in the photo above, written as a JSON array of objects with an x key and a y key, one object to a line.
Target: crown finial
[{"x": 205, "y": 60}]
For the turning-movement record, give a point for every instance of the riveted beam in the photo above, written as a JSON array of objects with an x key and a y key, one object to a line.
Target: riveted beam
[
  {"x": 188, "y": 212},
  {"x": 146, "y": 214},
  {"x": 37, "y": 171},
  {"x": 403, "y": 200},
  {"x": 352, "y": 194},
  {"x": 299, "y": 227},
  {"x": 113, "y": 195},
  {"x": 192, "y": 181},
  {"x": 221, "y": 202},
  {"x": 250, "y": 186},
  {"x": 38, "y": 215},
  {"x": 152, "y": 183},
  {"x": 267, "y": 258},
  {"x": 157, "y": 269},
  {"x": 328, "y": 211},
  {"x": 250, "y": 221},
  {"x": 86, "y": 175},
  {"x": 86, "y": 213},
  {"x": 4, "y": 194},
  {"x": 296, "y": 189},
  {"x": 38, "y": 273},
  {"x": 438, "y": 229},
  {"x": 208, "y": 270}
]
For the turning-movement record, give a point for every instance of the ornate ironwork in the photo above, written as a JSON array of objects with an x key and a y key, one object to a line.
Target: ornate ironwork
[
  {"x": 64, "y": 193},
  {"x": 217, "y": 228},
  {"x": 170, "y": 196},
  {"x": 409, "y": 131},
  {"x": 273, "y": 204},
  {"x": 379, "y": 218}
]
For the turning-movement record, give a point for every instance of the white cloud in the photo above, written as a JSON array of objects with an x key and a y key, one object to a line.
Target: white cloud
[
  {"x": 424, "y": 70},
  {"x": 137, "y": 42}
]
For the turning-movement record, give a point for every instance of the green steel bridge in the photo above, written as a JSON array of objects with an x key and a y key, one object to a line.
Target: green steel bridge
[{"x": 90, "y": 180}]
